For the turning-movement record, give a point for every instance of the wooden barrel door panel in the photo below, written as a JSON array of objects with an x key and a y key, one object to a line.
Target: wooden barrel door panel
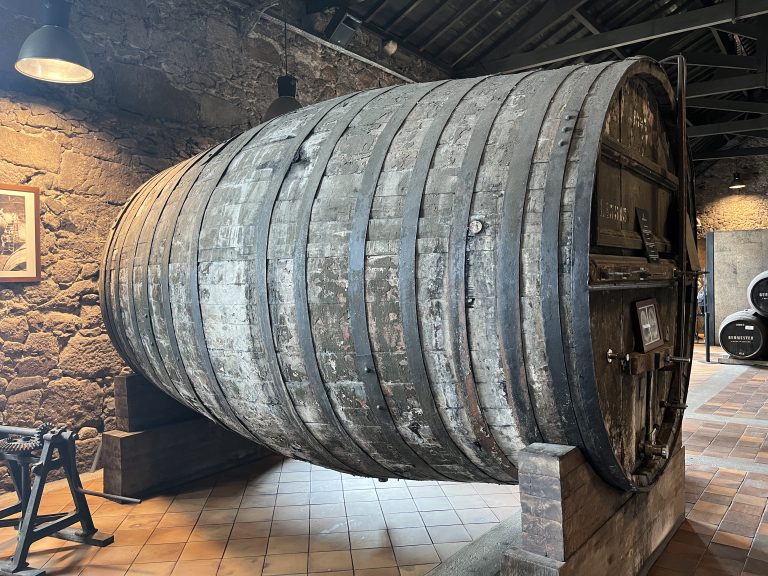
[{"x": 634, "y": 196}]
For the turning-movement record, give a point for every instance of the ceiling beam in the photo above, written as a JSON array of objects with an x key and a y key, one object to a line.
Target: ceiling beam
[
  {"x": 725, "y": 85},
  {"x": 313, "y": 6},
  {"x": 490, "y": 35},
  {"x": 550, "y": 14},
  {"x": 724, "y": 12},
  {"x": 733, "y": 127},
  {"x": 404, "y": 13},
  {"x": 729, "y": 105},
  {"x": 740, "y": 29},
  {"x": 375, "y": 11},
  {"x": 732, "y": 153},
  {"x": 589, "y": 25},
  {"x": 721, "y": 61},
  {"x": 425, "y": 21},
  {"x": 448, "y": 25}
]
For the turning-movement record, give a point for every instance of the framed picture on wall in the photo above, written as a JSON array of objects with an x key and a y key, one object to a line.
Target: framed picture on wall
[
  {"x": 19, "y": 233},
  {"x": 648, "y": 321}
]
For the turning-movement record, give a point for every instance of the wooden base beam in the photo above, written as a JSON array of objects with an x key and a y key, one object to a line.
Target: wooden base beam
[
  {"x": 573, "y": 523},
  {"x": 162, "y": 444}
]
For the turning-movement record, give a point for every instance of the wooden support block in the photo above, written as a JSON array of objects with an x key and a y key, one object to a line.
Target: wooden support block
[
  {"x": 144, "y": 462},
  {"x": 573, "y": 523},
  {"x": 140, "y": 405}
]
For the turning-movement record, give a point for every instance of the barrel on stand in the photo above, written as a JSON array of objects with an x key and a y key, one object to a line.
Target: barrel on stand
[
  {"x": 419, "y": 281},
  {"x": 744, "y": 335},
  {"x": 757, "y": 293}
]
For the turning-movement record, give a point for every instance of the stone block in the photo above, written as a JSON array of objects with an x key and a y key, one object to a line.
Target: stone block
[
  {"x": 89, "y": 357},
  {"x": 74, "y": 403},
  {"x": 35, "y": 151}
]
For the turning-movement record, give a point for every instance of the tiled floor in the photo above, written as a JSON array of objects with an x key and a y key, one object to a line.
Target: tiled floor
[
  {"x": 286, "y": 517},
  {"x": 725, "y": 429}
]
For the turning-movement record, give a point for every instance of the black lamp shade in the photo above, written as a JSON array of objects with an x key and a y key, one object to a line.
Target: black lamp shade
[
  {"x": 737, "y": 183},
  {"x": 286, "y": 98},
  {"x": 51, "y": 53}
]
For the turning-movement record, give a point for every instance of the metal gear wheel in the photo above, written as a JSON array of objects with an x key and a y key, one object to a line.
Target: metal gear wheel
[{"x": 20, "y": 444}]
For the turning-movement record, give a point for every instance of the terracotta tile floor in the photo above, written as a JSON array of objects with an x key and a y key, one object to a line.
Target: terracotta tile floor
[{"x": 283, "y": 517}]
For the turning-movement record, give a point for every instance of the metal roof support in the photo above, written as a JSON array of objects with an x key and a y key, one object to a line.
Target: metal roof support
[
  {"x": 403, "y": 14},
  {"x": 373, "y": 13},
  {"x": 551, "y": 14},
  {"x": 724, "y": 12},
  {"x": 729, "y": 105},
  {"x": 725, "y": 85},
  {"x": 467, "y": 9},
  {"x": 734, "y": 127},
  {"x": 732, "y": 153},
  {"x": 589, "y": 25},
  {"x": 721, "y": 61}
]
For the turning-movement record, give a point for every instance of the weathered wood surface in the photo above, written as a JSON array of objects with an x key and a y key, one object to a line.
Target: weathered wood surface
[
  {"x": 574, "y": 524},
  {"x": 140, "y": 405},
  {"x": 144, "y": 462},
  {"x": 397, "y": 283}
]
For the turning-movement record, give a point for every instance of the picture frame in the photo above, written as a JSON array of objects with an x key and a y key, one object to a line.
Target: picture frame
[
  {"x": 648, "y": 323},
  {"x": 19, "y": 233}
]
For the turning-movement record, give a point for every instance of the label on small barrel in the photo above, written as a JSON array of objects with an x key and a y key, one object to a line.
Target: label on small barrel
[
  {"x": 759, "y": 296},
  {"x": 645, "y": 227},
  {"x": 741, "y": 339}
]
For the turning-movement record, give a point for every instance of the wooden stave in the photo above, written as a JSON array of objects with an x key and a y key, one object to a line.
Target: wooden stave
[{"x": 299, "y": 455}]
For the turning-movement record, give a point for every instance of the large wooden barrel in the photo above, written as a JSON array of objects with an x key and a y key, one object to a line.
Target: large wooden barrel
[
  {"x": 744, "y": 335},
  {"x": 757, "y": 293},
  {"x": 419, "y": 281}
]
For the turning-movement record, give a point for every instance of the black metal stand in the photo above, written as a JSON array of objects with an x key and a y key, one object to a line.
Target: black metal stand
[{"x": 23, "y": 466}]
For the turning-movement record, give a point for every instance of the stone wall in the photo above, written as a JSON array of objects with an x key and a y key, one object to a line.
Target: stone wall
[
  {"x": 170, "y": 82},
  {"x": 720, "y": 208}
]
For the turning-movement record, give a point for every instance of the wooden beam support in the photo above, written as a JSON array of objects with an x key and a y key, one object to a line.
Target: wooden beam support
[
  {"x": 722, "y": 13},
  {"x": 734, "y": 127},
  {"x": 731, "y": 153}
]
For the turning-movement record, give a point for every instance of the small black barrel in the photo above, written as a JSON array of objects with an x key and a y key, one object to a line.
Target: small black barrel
[
  {"x": 757, "y": 293},
  {"x": 744, "y": 335}
]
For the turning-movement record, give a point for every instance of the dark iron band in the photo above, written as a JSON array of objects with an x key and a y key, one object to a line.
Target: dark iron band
[
  {"x": 583, "y": 381},
  {"x": 387, "y": 434},
  {"x": 106, "y": 281},
  {"x": 414, "y": 196},
  {"x": 508, "y": 263},
  {"x": 139, "y": 346},
  {"x": 144, "y": 298},
  {"x": 233, "y": 148},
  {"x": 355, "y": 452},
  {"x": 165, "y": 262},
  {"x": 579, "y": 84},
  {"x": 261, "y": 292}
]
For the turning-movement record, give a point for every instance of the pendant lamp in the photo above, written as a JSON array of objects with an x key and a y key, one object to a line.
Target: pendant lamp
[
  {"x": 286, "y": 84},
  {"x": 737, "y": 183},
  {"x": 51, "y": 53}
]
